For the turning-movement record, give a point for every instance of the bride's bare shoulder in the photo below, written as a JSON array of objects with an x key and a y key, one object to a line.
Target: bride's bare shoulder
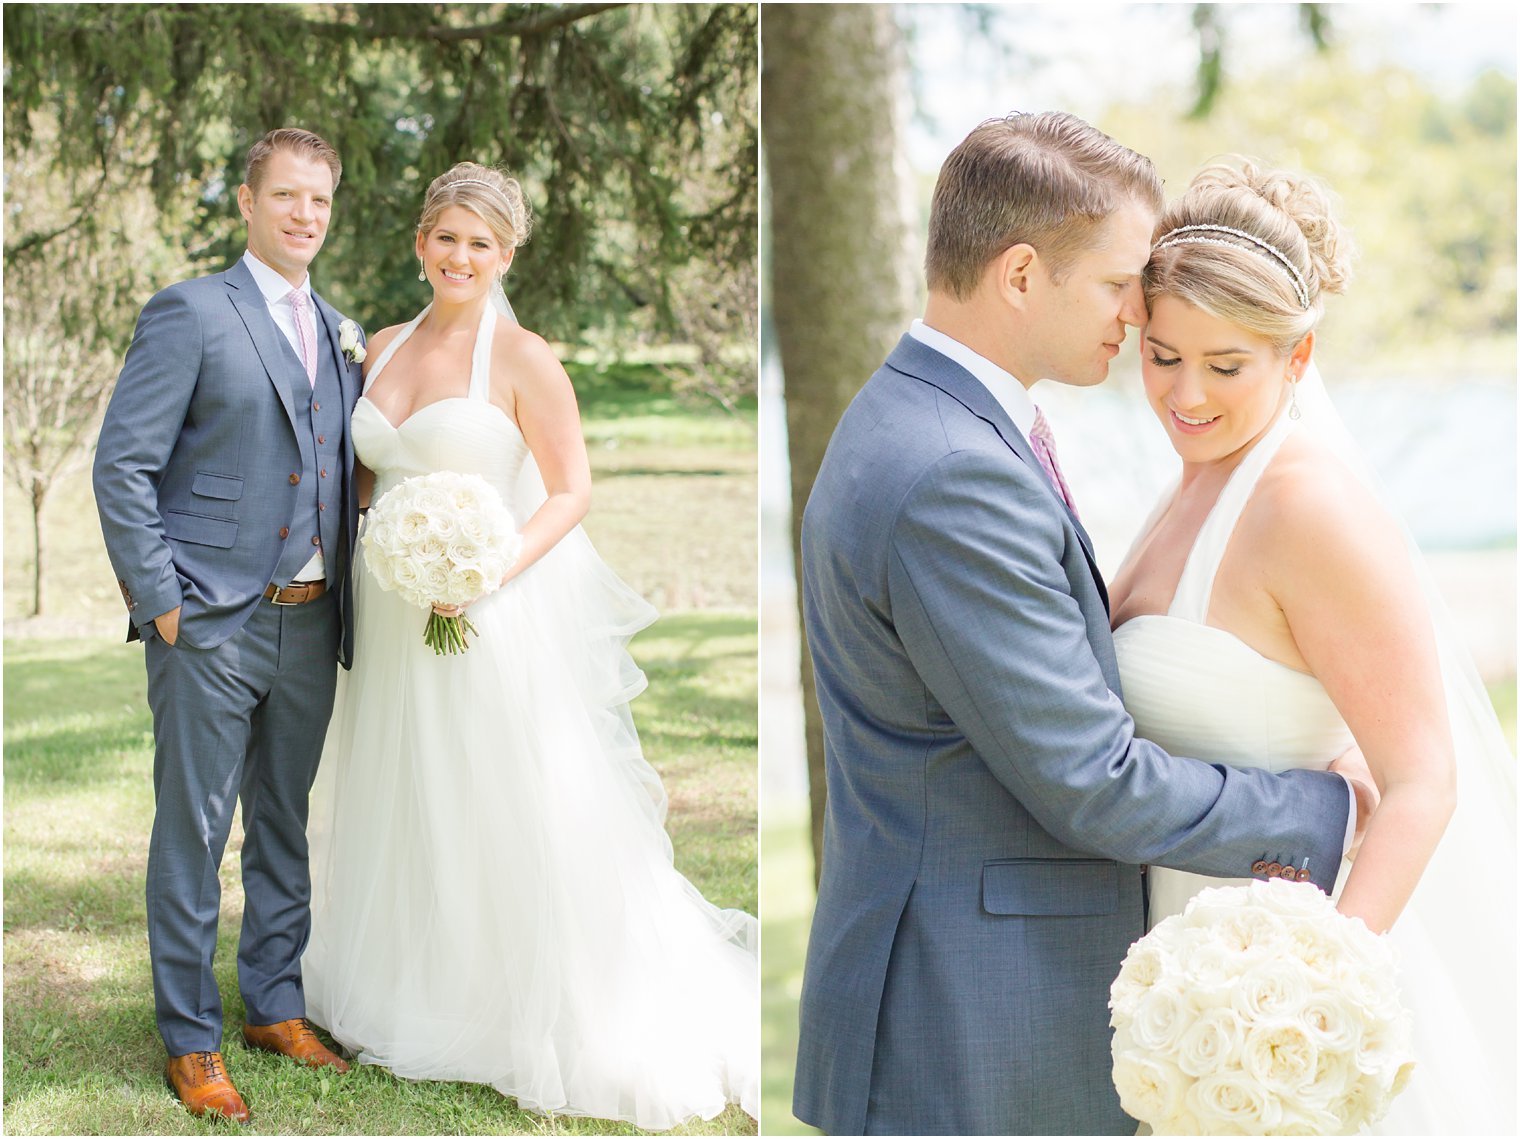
[
  {"x": 1311, "y": 512},
  {"x": 524, "y": 359},
  {"x": 378, "y": 343}
]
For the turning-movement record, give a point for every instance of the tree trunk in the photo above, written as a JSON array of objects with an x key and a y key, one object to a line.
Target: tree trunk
[
  {"x": 39, "y": 587},
  {"x": 844, "y": 279}
]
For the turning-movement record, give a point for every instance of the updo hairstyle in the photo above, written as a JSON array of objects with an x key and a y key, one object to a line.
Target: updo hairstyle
[
  {"x": 1233, "y": 277},
  {"x": 495, "y": 198}
]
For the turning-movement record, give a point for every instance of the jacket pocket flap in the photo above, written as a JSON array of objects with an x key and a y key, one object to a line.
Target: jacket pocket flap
[
  {"x": 228, "y": 487},
  {"x": 200, "y": 529},
  {"x": 1046, "y": 887}
]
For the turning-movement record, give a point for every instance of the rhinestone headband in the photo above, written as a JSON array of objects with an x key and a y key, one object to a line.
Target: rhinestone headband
[
  {"x": 479, "y": 182},
  {"x": 1187, "y": 232}
]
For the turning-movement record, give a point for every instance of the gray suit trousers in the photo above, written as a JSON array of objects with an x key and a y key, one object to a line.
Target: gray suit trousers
[{"x": 247, "y": 720}]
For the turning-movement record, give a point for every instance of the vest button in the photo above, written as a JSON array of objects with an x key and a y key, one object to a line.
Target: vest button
[
  {"x": 324, "y": 472},
  {"x": 321, "y": 438},
  {"x": 316, "y": 407},
  {"x": 284, "y": 531},
  {"x": 321, "y": 506},
  {"x": 294, "y": 479}
]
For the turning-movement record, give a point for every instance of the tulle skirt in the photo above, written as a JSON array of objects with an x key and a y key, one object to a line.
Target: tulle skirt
[{"x": 494, "y": 898}]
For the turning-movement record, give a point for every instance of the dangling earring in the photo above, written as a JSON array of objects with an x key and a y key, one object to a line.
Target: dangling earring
[
  {"x": 1293, "y": 411},
  {"x": 421, "y": 270}
]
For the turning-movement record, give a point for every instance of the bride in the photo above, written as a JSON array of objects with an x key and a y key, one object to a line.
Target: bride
[
  {"x": 494, "y": 898},
  {"x": 1273, "y": 611}
]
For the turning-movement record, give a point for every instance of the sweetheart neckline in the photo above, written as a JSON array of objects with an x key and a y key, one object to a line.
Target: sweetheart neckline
[
  {"x": 1222, "y": 632},
  {"x": 512, "y": 423}
]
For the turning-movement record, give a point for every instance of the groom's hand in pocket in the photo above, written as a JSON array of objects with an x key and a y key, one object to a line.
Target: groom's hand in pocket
[
  {"x": 1352, "y": 765},
  {"x": 167, "y": 625}
]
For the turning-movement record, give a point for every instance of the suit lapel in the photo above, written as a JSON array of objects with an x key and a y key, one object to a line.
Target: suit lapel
[
  {"x": 251, "y": 307},
  {"x": 916, "y": 359}
]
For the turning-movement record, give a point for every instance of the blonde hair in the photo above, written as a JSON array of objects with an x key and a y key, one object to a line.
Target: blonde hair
[
  {"x": 489, "y": 194},
  {"x": 1231, "y": 275},
  {"x": 1048, "y": 180},
  {"x": 299, "y": 142}
]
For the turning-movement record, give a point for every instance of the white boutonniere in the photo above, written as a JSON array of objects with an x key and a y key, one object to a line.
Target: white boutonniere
[{"x": 348, "y": 341}]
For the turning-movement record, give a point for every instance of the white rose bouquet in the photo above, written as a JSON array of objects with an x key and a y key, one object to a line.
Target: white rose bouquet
[
  {"x": 1259, "y": 1010},
  {"x": 441, "y": 539}
]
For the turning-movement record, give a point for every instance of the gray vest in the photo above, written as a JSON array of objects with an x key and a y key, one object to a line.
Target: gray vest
[{"x": 318, "y": 514}]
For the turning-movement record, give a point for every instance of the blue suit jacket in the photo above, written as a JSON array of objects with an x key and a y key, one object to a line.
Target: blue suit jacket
[
  {"x": 989, "y": 804},
  {"x": 193, "y": 467}
]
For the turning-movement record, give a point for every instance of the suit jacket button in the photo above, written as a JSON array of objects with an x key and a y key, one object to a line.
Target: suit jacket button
[
  {"x": 1274, "y": 869},
  {"x": 284, "y": 531},
  {"x": 1259, "y": 866},
  {"x": 1302, "y": 875},
  {"x": 294, "y": 479},
  {"x": 316, "y": 539}
]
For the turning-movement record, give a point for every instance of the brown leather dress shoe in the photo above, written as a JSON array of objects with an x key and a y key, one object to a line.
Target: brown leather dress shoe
[
  {"x": 200, "y": 1081},
  {"x": 296, "y": 1039}
]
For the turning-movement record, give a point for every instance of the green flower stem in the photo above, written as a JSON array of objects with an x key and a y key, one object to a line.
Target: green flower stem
[{"x": 447, "y": 634}]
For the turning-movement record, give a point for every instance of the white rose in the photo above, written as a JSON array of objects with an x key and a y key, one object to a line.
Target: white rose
[
  {"x": 435, "y": 582},
  {"x": 1329, "y": 1022},
  {"x": 1281, "y": 1057},
  {"x": 411, "y": 525},
  {"x": 1213, "y": 971},
  {"x": 1149, "y": 1088},
  {"x": 429, "y": 551},
  {"x": 1293, "y": 899},
  {"x": 1211, "y": 1042},
  {"x": 407, "y": 578},
  {"x": 1143, "y": 965},
  {"x": 1245, "y": 929},
  {"x": 462, "y": 552},
  {"x": 1334, "y": 1073},
  {"x": 443, "y": 525},
  {"x": 348, "y": 341},
  {"x": 1272, "y": 988},
  {"x": 1232, "y": 1102},
  {"x": 431, "y": 500},
  {"x": 1160, "y": 1017},
  {"x": 474, "y": 528}
]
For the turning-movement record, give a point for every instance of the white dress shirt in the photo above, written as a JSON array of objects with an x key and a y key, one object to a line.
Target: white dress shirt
[
  {"x": 1011, "y": 395},
  {"x": 276, "y": 290},
  {"x": 1014, "y": 399}
]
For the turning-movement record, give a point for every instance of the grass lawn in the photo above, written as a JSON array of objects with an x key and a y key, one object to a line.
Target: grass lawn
[
  {"x": 81, "y": 1052},
  {"x": 673, "y": 511}
]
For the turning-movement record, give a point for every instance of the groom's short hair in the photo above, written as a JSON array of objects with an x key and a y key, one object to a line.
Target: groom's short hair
[
  {"x": 1047, "y": 180},
  {"x": 302, "y": 142}
]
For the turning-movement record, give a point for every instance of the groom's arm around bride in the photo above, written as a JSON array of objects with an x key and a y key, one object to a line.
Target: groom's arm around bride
[{"x": 989, "y": 804}]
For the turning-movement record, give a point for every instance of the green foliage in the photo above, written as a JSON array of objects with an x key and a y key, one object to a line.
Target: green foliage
[
  {"x": 81, "y": 1052},
  {"x": 632, "y": 127}
]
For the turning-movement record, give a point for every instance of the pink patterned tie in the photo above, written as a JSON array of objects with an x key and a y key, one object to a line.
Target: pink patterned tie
[
  {"x": 305, "y": 334},
  {"x": 1044, "y": 444}
]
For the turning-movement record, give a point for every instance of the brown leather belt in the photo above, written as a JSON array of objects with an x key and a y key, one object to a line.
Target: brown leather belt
[{"x": 298, "y": 594}]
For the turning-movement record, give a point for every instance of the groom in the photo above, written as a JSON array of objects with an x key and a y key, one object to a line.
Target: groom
[
  {"x": 989, "y": 805},
  {"x": 223, "y": 483}
]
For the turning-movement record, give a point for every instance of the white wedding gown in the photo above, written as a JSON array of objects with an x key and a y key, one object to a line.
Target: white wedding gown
[
  {"x": 493, "y": 895},
  {"x": 1199, "y": 691}
]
